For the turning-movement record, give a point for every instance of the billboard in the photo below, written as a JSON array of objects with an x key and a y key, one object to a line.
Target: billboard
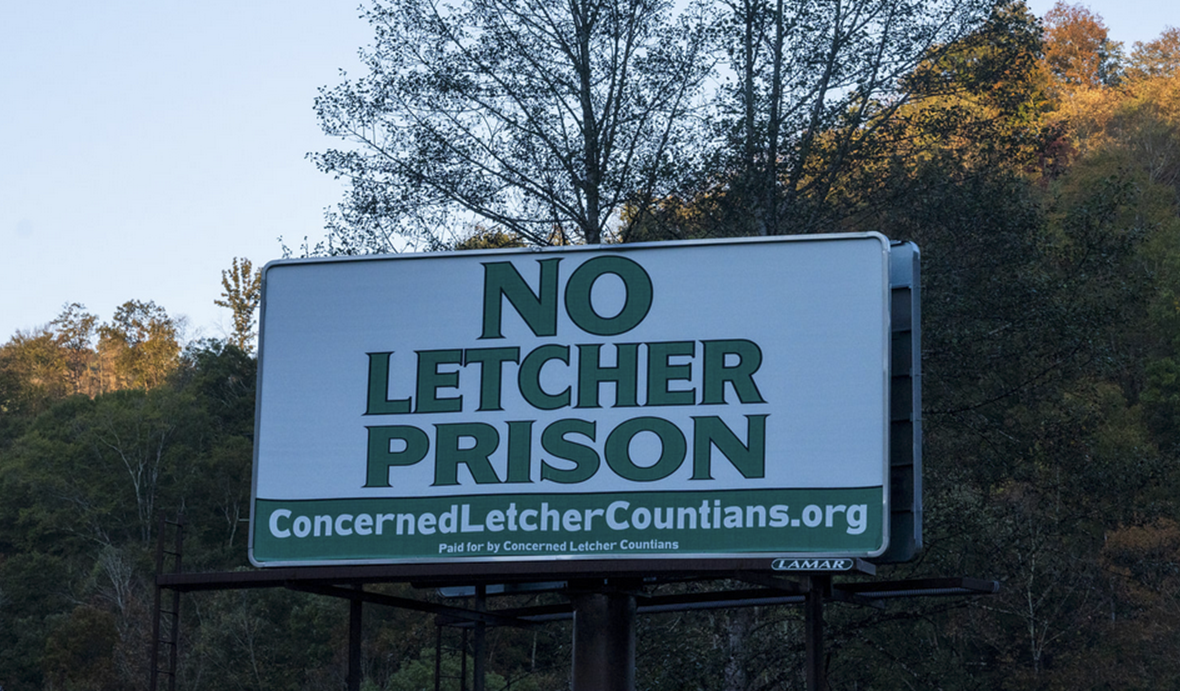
[{"x": 702, "y": 400}]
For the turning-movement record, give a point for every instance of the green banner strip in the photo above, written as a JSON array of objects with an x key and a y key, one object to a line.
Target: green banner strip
[{"x": 844, "y": 521}]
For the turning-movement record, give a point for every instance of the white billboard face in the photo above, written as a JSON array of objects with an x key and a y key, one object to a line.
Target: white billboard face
[{"x": 697, "y": 400}]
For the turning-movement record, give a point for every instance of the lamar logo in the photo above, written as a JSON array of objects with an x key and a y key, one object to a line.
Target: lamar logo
[{"x": 811, "y": 564}]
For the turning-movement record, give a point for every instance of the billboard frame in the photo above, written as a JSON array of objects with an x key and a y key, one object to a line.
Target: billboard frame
[{"x": 525, "y": 567}]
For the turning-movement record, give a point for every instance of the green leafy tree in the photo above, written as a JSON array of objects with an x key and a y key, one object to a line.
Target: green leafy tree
[
  {"x": 419, "y": 674},
  {"x": 84, "y": 482},
  {"x": 33, "y": 373},
  {"x": 96, "y": 468},
  {"x": 489, "y": 239},
  {"x": 1145, "y": 558},
  {"x": 221, "y": 378},
  {"x": 241, "y": 287},
  {"x": 75, "y": 330},
  {"x": 79, "y": 651},
  {"x": 143, "y": 344}
]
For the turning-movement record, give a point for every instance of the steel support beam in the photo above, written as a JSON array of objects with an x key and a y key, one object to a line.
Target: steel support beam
[
  {"x": 479, "y": 644},
  {"x": 604, "y": 641},
  {"x": 817, "y": 587},
  {"x": 355, "y": 619}
]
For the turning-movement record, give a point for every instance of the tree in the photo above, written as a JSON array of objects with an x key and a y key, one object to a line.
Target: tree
[
  {"x": 540, "y": 119},
  {"x": 79, "y": 651},
  {"x": 488, "y": 239},
  {"x": 83, "y": 481},
  {"x": 1158, "y": 58},
  {"x": 143, "y": 342},
  {"x": 813, "y": 82},
  {"x": 978, "y": 108},
  {"x": 33, "y": 373},
  {"x": 75, "y": 329},
  {"x": 798, "y": 156},
  {"x": 1078, "y": 50},
  {"x": 241, "y": 287}
]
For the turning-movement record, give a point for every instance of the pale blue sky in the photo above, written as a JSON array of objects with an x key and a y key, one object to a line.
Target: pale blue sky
[{"x": 145, "y": 143}]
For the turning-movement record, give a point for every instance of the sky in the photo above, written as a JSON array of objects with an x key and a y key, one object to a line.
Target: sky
[{"x": 146, "y": 143}]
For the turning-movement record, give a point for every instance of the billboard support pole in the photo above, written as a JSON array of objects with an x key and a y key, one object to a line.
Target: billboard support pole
[
  {"x": 479, "y": 645},
  {"x": 817, "y": 587},
  {"x": 355, "y": 618},
  {"x": 604, "y": 641}
]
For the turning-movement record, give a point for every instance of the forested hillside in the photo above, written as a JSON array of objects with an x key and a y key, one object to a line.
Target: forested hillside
[{"x": 1035, "y": 163}]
